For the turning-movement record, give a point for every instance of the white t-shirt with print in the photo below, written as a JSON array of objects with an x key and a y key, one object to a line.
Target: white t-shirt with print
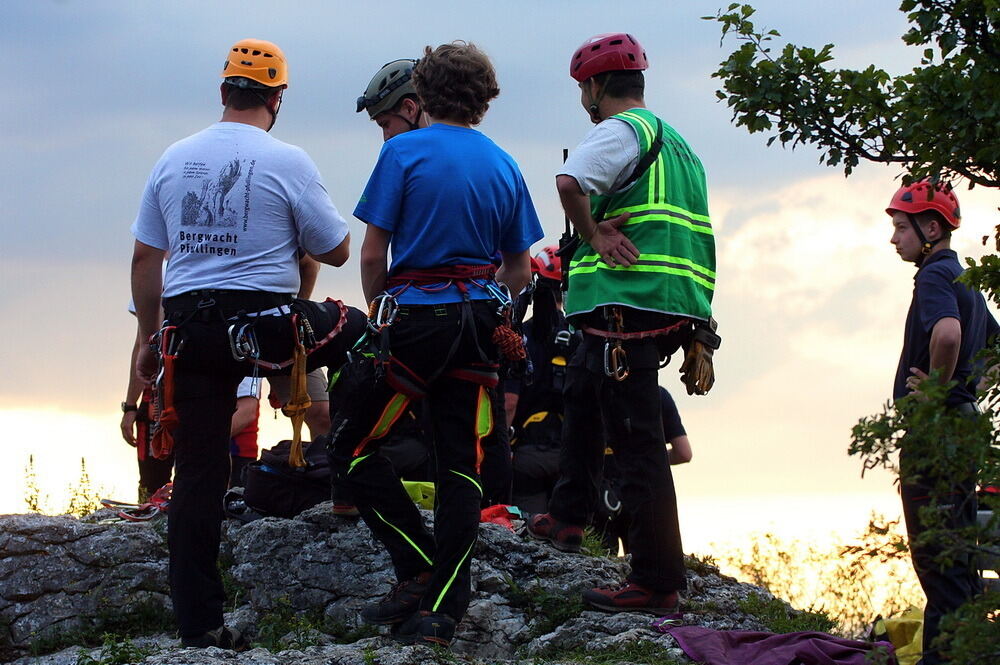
[
  {"x": 232, "y": 205},
  {"x": 605, "y": 158}
]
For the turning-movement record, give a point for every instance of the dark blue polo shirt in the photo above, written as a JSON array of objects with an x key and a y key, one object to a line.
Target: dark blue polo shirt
[
  {"x": 936, "y": 295},
  {"x": 672, "y": 425}
]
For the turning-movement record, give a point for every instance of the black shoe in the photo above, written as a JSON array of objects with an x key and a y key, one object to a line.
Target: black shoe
[
  {"x": 221, "y": 637},
  {"x": 401, "y": 601},
  {"x": 426, "y": 628}
]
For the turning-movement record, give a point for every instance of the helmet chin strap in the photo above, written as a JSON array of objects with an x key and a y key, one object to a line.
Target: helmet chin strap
[
  {"x": 594, "y": 107},
  {"x": 409, "y": 122},
  {"x": 926, "y": 246}
]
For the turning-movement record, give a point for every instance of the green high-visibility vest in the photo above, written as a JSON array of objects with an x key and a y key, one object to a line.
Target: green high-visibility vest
[{"x": 669, "y": 224}]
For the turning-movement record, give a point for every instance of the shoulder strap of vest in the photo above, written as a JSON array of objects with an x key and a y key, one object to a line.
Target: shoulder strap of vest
[
  {"x": 640, "y": 168},
  {"x": 647, "y": 160}
]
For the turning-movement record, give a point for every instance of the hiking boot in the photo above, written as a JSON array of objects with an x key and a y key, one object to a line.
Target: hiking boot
[
  {"x": 401, "y": 601},
  {"x": 564, "y": 537},
  {"x": 221, "y": 637},
  {"x": 345, "y": 509},
  {"x": 426, "y": 627},
  {"x": 631, "y": 597}
]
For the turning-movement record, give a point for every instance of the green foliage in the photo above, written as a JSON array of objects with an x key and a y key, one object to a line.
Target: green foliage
[
  {"x": 284, "y": 627},
  {"x": 143, "y": 617},
  {"x": 702, "y": 564},
  {"x": 962, "y": 632},
  {"x": 32, "y": 495},
  {"x": 780, "y": 618},
  {"x": 83, "y": 498},
  {"x": 547, "y": 610},
  {"x": 116, "y": 651},
  {"x": 940, "y": 118},
  {"x": 345, "y": 634},
  {"x": 850, "y": 584},
  {"x": 234, "y": 590},
  {"x": 593, "y": 545},
  {"x": 943, "y": 447}
]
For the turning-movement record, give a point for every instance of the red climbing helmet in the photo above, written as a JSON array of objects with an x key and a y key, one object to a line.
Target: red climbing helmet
[
  {"x": 924, "y": 195},
  {"x": 547, "y": 263},
  {"x": 610, "y": 52}
]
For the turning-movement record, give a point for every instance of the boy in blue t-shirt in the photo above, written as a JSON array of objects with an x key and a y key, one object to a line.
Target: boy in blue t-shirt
[
  {"x": 446, "y": 200},
  {"x": 946, "y": 327}
]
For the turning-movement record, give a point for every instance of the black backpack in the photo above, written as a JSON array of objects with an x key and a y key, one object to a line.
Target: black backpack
[{"x": 275, "y": 489}]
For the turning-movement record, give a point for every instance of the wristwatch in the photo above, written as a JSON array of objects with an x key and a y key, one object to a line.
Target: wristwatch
[{"x": 126, "y": 407}]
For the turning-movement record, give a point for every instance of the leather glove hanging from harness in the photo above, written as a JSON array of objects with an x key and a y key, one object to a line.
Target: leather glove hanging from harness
[
  {"x": 698, "y": 372},
  {"x": 298, "y": 403}
]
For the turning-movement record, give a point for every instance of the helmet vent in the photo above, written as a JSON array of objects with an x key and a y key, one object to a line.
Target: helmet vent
[
  {"x": 268, "y": 55},
  {"x": 595, "y": 47},
  {"x": 246, "y": 62},
  {"x": 256, "y": 53},
  {"x": 615, "y": 42},
  {"x": 908, "y": 197},
  {"x": 244, "y": 50},
  {"x": 272, "y": 72},
  {"x": 631, "y": 57}
]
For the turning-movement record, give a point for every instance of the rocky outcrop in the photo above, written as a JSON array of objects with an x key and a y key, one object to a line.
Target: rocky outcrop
[{"x": 58, "y": 575}]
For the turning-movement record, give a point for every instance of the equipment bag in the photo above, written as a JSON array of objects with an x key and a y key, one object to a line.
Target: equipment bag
[{"x": 275, "y": 489}]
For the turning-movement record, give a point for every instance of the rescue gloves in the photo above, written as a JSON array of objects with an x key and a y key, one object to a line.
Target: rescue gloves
[{"x": 697, "y": 371}]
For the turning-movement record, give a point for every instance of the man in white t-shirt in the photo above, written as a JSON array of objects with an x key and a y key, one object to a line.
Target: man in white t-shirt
[{"x": 233, "y": 206}]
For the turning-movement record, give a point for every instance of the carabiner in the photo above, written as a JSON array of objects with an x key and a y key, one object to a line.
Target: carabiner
[
  {"x": 615, "y": 361},
  {"x": 388, "y": 308},
  {"x": 242, "y": 342}
]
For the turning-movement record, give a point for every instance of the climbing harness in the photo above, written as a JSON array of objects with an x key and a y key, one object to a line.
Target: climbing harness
[{"x": 615, "y": 357}]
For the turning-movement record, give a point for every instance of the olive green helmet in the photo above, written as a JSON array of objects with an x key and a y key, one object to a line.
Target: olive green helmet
[{"x": 387, "y": 87}]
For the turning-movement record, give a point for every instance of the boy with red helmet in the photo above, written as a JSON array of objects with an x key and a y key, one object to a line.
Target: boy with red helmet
[{"x": 946, "y": 326}]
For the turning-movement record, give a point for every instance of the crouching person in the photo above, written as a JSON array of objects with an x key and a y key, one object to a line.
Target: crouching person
[
  {"x": 447, "y": 200},
  {"x": 232, "y": 205}
]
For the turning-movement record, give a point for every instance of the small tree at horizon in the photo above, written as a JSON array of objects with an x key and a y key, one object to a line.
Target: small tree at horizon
[
  {"x": 940, "y": 120},
  {"x": 32, "y": 495},
  {"x": 83, "y": 498}
]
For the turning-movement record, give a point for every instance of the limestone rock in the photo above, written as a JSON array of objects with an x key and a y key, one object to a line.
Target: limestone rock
[{"x": 59, "y": 573}]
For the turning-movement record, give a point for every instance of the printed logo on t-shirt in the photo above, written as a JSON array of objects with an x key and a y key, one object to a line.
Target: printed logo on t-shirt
[{"x": 216, "y": 205}]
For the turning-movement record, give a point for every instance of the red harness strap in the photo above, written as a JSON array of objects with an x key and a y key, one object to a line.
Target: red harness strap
[
  {"x": 639, "y": 334},
  {"x": 457, "y": 273}
]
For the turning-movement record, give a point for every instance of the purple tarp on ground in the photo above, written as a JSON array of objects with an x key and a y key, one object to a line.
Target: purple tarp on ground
[{"x": 735, "y": 647}]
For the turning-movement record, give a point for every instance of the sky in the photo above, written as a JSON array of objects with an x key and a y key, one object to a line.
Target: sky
[{"x": 810, "y": 299}]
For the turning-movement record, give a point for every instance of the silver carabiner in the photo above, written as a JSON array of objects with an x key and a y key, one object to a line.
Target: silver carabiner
[
  {"x": 242, "y": 342},
  {"x": 615, "y": 361},
  {"x": 388, "y": 308},
  {"x": 237, "y": 355}
]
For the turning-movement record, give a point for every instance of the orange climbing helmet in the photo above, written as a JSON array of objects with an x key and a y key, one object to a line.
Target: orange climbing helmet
[
  {"x": 923, "y": 195},
  {"x": 255, "y": 63}
]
